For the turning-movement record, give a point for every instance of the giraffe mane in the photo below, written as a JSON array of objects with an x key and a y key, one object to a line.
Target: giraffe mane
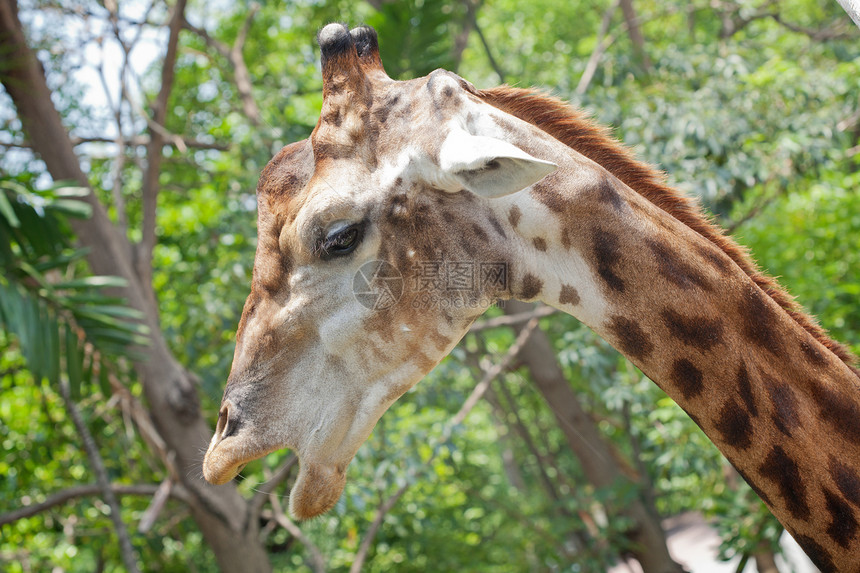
[{"x": 575, "y": 129}]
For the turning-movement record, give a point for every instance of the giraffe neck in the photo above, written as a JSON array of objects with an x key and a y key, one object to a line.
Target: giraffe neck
[{"x": 779, "y": 405}]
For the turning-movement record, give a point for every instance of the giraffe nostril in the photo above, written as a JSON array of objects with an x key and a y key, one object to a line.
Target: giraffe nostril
[{"x": 228, "y": 422}]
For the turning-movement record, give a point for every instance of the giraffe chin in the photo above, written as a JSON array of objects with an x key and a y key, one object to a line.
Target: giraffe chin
[{"x": 317, "y": 489}]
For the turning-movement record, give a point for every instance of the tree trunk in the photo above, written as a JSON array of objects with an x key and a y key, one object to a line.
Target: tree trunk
[
  {"x": 588, "y": 445},
  {"x": 765, "y": 560},
  {"x": 509, "y": 461},
  {"x": 221, "y": 513},
  {"x": 636, "y": 37}
]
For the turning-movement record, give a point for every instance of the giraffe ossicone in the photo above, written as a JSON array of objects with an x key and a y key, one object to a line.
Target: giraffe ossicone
[{"x": 477, "y": 195}]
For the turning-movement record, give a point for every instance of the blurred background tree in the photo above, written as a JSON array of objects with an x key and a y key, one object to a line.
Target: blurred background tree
[{"x": 167, "y": 112}]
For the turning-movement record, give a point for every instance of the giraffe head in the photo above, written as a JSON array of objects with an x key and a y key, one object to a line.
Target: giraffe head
[{"x": 378, "y": 246}]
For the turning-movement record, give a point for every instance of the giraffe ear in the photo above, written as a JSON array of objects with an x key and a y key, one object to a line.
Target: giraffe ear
[{"x": 487, "y": 166}]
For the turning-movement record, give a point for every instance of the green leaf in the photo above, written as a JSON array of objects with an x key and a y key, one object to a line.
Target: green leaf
[
  {"x": 73, "y": 363},
  {"x": 34, "y": 274},
  {"x": 87, "y": 376},
  {"x": 29, "y": 336},
  {"x": 16, "y": 187},
  {"x": 92, "y": 282},
  {"x": 104, "y": 383},
  {"x": 73, "y": 208},
  {"x": 8, "y": 211},
  {"x": 94, "y": 322},
  {"x": 103, "y": 335},
  {"x": 92, "y": 297},
  {"x": 52, "y": 341},
  {"x": 70, "y": 191},
  {"x": 60, "y": 262},
  {"x": 110, "y": 310}
]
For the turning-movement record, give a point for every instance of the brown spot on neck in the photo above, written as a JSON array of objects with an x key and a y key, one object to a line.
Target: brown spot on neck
[
  {"x": 674, "y": 269},
  {"x": 699, "y": 332},
  {"x": 839, "y": 411},
  {"x": 715, "y": 258},
  {"x": 514, "y": 216},
  {"x": 846, "y": 480},
  {"x": 440, "y": 341},
  {"x": 745, "y": 390},
  {"x": 568, "y": 295},
  {"x": 480, "y": 233},
  {"x": 497, "y": 227},
  {"x": 687, "y": 378},
  {"x": 539, "y": 243},
  {"x": 758, "y": 491},
  {"x": 607, "y": 254},
  {"x": 843, "y": 525},
  {"x": 785, "y": 416},
  {"x": 810, "y": 349},
  {"x": 819, "y": 555},
  {"x": 530, "y": 288},
  {"x": 607, "y": 193},
  {"x": 631, "y": 339},
  {"x": 571, "y": 127},
  {"x": 782, "y": 470},
  {"x": 734, "y": 425},
  {"x": 760, "y": 322}
]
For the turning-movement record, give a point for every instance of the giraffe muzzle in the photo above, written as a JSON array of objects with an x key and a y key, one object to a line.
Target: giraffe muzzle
[{"x": 228, "y": 453}]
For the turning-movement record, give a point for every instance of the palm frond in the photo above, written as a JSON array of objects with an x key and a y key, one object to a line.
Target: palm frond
[{"x": 65, "y": 325}]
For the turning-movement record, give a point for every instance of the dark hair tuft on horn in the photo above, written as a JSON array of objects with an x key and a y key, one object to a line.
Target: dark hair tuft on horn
[
  {"x": 365, "y": 40},
  {"x": 334, "y": 39}
]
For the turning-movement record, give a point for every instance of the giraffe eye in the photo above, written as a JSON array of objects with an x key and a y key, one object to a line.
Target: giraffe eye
[{"x": 341, "y": 242}]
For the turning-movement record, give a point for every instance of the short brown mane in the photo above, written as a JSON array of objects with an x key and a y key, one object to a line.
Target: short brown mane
[{"x": 573, "y": 128}]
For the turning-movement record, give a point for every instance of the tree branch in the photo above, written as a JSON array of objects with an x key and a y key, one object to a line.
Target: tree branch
[
  {"x": 240, "y": 74},
  {"x": 169, "y": 389},
  {"x": 733, "y": 22},
  {"x": 134, "y": 141},
  {"x": 383, "y": 510},
  {"x": 635, "y": 33},
  {"x": 762, "y": 202},
  {"x": 523, "y": 432},
  {"x": 600, "y": 47},
  {"x": 150, "y": 188},
  {"x": 255, "y": 506},
  {"x": 513, "y": 319},
  {"x": 123, "y": 98},
  {"x": 317, "y": 559},
  {"x": 177, "y": 492},
  {"x": 853, "y": 10},
  {"x": 240, "y": 70},
  {"x": 472, "y": 17},
  {"x": 461, "y": 40},
  {"x": 97, "y": 465},
  {"x": 834, "y": 31},
  {"x": 470, "y": 402},
  {"x": 594, "y": 452},
  {"x": 149, "y": 516}
]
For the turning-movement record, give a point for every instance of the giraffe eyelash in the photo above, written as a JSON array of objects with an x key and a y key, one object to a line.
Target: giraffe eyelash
[{"x": 340, "y": 242}]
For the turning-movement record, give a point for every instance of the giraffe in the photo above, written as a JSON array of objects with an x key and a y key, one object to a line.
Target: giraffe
[{"x": 432, "y": 172}]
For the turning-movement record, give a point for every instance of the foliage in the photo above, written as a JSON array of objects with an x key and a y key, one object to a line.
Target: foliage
[
  {"x": 61, "y": 320},
  {"x": 57, "y": 323},
  {"x": 817, "y": 227},
  {"x": 748, "y": 122}
]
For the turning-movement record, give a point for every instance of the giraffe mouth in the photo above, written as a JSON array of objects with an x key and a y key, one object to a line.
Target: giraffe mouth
[
  {"x": 317, "y": 487},
  {"x": 227, "y": 457}
]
